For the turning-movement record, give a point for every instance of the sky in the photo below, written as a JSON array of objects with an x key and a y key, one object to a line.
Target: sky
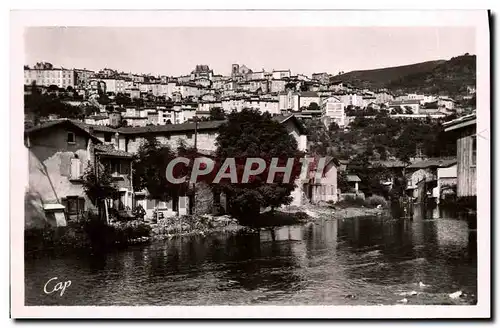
[{"x": 176, "y": 51}]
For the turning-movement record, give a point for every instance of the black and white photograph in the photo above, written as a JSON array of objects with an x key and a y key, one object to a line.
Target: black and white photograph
[{"x": 237, "y": 164}]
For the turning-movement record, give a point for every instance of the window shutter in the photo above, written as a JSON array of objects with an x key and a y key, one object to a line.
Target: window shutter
[
  {"x": 75, "y": 168},
  {"x": 65, "y": 167}
]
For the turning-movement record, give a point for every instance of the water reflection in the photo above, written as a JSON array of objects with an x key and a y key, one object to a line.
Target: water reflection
[{"x": 352, "y": 261}]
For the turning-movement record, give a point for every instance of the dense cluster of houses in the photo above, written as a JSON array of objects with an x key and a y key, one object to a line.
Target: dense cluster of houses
[
  {"x": 176, "y": 100},
  {"x": 433, "y": 179},
  {"x": 60, "y": 150}
]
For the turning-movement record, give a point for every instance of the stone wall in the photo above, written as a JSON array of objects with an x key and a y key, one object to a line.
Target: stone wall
[{"x": 204, "y": 202}]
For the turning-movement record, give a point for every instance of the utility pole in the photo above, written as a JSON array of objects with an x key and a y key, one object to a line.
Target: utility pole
[{"x": 196, "y": 152}]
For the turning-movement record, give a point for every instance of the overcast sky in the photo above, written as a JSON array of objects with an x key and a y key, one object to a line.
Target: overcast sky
[{"x": 176, "y": 51}]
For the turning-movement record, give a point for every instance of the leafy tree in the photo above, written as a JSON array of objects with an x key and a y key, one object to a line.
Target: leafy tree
[
  {"x": 342, "y": 182},
  {"x": 103, "y": 99},
  {"x": 90, "y": 110},
  {"x": 42, "y": 105},
  {"x": 98, "y": 185},
  {"x": 290, "y": 86},
  {"x": 333, "y": 127},
  {"x": 313, "y": 106},
  {"x": 397, "y": 110},
  {"x": 122, "y": 99},
  {"x": 217, "y": 114},
  {"x": 149, "y": 167},
  {"x": 53, "y": 88},
  {"x": 139, "y": 102},
  {"x": 252, "y": 134}
]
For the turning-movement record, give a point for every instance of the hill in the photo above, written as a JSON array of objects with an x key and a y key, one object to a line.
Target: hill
[
  {"x": 450, "y": 77},
  {"x": 379, "y": 78}
]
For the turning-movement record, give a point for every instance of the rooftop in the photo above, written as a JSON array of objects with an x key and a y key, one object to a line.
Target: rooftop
[
  {"x": 460, "y": 122},
  {"x": 204, "y": 125},
  {"x": 353, "y": 178},
  {"x": 434, "y": 162},
  {"x": 110, "y": 151},
  {"x": 308, "y": 94}
]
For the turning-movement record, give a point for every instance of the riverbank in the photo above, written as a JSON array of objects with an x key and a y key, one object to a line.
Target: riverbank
[
  {"x": 97, "y": 236},
  {"x": 328, "y": 211}
]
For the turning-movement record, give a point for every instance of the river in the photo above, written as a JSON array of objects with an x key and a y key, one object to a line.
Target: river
[{"x": 362, "y": 261}]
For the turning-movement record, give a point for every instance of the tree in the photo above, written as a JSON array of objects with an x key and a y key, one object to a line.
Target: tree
[
  {"x": 122, "y": 100},
  {"x": 397, "y": 110},
  {"x": 149, "y": 167},
  {"x": 342, "y": 182},
  {"x": 290, "y": 86},
  {"x": 313, "y": 106},
  {"x": 408, "y": 110},
  {"x": 217, "y": 114},
  {"x": 98, "y": 186},
  {"x": 103, "y": 99},
  {"x": 139, "y": 102},
  {"x": 53, "y": 88},
  {"x": 252, "y": 134},
  {"x": 333, "y": 127}
]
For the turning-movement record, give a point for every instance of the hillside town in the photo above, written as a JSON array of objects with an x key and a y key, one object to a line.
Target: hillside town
[{"x": 121, "y": 110}]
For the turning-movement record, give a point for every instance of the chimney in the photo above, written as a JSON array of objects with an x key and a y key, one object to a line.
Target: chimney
[{"x": 117, "y": 140}]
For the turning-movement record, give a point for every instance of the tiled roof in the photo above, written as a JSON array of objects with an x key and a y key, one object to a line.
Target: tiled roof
[
  {"x": 434, "y": 162},
  {"x": 109, "y": 150},
  {"x": 283, "y": 118},
  {"x": 389, "y": 164},
  {"x": 205, "y": 125},
  {"x": 404, "y": 102},
  {"x": 309, "y": 94},
  {"x": 49, "y": 124},
  {"x": 460, "y": 122},
  {"x": 353, "y": 178},
  {"x": 96, "y": 128}
]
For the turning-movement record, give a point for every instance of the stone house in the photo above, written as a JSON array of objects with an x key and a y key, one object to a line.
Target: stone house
[
  {"x": 59, "y": 152},
  {"x": 324, "y": 189}
]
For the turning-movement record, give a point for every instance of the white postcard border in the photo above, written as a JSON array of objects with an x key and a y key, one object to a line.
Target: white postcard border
[{"x": 21, "y": 19}]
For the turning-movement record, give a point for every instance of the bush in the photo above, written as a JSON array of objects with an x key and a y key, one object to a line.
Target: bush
[
  {"x": 353, "y": 200},
  {"x": 376, "y": 200}
]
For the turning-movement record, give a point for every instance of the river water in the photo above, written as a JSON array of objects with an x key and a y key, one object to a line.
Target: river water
[{"x": 362, "y": 261}]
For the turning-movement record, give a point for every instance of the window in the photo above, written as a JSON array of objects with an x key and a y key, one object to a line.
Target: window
[
  {"x": 107, "y": 137},
  {"x": 474, "y": 151},
  {"x": 124, "y": 168},
  {"x": 74, "y": 204},
  {"x": 71, "y": 138},
  {"x": 115, "y": 166},
  {"x": 76, "y": 169}
]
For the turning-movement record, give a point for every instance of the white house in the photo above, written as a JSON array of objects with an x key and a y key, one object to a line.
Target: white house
[
  {"x": 334, "y": 109},
  {"x": 308, "y": 97}
]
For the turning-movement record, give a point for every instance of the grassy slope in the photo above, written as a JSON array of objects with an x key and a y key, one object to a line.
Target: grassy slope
[
  {"x": 449, "y": 77},
  {"x": 379, "y": 78}
]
